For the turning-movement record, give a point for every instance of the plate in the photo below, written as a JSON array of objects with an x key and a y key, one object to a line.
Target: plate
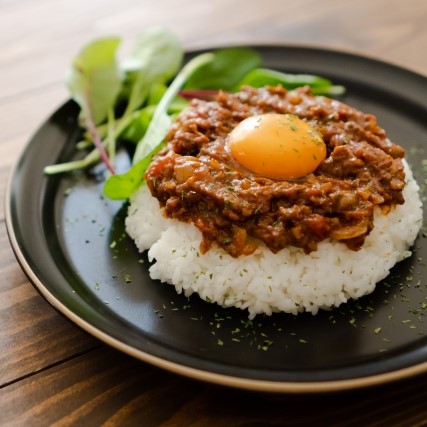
[{"x": 70, "y": 241}]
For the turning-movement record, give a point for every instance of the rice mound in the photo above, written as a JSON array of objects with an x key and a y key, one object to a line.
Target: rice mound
[{"x": 289, "y": 281}]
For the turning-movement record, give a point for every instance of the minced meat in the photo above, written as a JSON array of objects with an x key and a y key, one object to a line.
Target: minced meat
[{"x": 196, "y": 179}]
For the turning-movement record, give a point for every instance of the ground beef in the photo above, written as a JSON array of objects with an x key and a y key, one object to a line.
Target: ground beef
[{"x": 196, "y": 180}]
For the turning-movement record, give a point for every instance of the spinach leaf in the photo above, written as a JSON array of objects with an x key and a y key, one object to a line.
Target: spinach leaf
[
  {"x": 138, "y": 124},
  {"x": 260, "y": 77},
  {"x": 118, "y": 187},
  {"x": 155, "y": 57},
  {"x": 94, "y": 79},
  {"x": 226, "y": 70},
  {"x": 161, "y": 121}
]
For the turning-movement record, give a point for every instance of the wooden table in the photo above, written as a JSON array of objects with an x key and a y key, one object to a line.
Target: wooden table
[{"x": 53, "y": 373}]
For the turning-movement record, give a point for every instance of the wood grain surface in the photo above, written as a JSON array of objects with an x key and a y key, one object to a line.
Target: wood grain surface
[{"x": 51, "y": 372}]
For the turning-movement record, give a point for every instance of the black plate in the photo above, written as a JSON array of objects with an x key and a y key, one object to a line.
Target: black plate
[{"x": 70, "y": 242}]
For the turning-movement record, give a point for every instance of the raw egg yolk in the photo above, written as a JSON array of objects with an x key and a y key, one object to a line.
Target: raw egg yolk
[{"x": 279, "y": 146}]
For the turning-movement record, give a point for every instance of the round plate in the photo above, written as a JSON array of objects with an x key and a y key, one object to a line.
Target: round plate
[{"x": 71, "y": 243}]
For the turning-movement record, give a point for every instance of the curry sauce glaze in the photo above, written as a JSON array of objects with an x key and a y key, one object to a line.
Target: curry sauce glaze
[{"x": 196, "y": 179}]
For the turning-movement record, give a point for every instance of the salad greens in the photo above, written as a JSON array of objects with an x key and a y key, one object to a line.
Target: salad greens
[
  {"x": 94, "y": 79},
  {"x": 95, "y": 82},
  {"x": 122, "y": 186},
  {"x": 155, "y": 58},
  {"x": 226, "y": 71},
  {"x": 161, "y": 120},
  {"x": 135, "y": 100},
  {"x": 259, "y": 77}
]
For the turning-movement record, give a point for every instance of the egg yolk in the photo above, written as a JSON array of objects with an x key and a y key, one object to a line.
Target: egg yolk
[{"x": 280, "y": 146}]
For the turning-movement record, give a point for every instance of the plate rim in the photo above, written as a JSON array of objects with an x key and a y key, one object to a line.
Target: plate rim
[
  {"x": 174, "y": 367},
  {"x": 201, "y": 375}
]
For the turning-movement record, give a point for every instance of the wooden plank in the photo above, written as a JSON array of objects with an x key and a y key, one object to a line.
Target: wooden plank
[
  {"x": 391, "y": 37},
  {"x": 236, "y": 22},
  {"x": 104, "y": 387}
]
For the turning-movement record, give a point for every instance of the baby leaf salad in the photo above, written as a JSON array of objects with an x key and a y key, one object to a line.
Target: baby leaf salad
[{"x": 136, "y": 99}]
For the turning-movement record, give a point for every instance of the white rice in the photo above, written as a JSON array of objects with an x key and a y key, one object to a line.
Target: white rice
[{"x": 289, "y": 281}]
